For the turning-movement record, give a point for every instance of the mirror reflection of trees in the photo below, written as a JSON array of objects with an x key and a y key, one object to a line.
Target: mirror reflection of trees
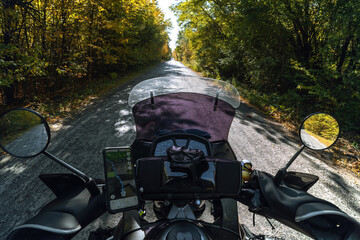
[
  {"x": 323, "y": 127},
  {"x": 15, "y": 123},
  {"x": 23, "y": 133}
]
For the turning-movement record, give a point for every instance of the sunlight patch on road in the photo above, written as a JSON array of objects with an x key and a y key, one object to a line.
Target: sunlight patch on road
[
  {"x": 4, "y": 159},
  {"x": 15, "y": 169},
  {"x": 119, "y": 124},
  {"x": 124, "y": 112},
  {"x": 122, "y": 130},
  {"x": 56, "y": 127}
]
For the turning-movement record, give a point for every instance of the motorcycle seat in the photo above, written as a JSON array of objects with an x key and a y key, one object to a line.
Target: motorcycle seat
[
  {"x": 63, "y": 217},
  {"x": 328, "y": 222},
  {"x": 313, "y": 216},
  {"x": 43, "y": 226},
  {"x": 287, "y": 200},
  {"x": 310, "y": 210}
]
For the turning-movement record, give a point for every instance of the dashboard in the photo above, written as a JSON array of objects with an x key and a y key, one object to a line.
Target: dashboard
[{"x": 213, "y": 181}]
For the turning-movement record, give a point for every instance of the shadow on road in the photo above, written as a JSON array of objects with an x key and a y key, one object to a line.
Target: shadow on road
[
  {"x": 313, "y": 162},
  {"x": 109, "y": 122}
]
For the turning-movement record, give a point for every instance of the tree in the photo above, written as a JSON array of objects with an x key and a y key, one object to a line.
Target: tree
[
  {"x": 56, "y": 44},
  {"x": 302, "y": 53}
]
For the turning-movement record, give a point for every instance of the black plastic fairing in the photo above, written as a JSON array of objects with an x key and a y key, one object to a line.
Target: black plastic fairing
[
  {"x": 300, "y": 181},
  {"x": 84, "y": 207},
  {"x": 63, "y": 184}
]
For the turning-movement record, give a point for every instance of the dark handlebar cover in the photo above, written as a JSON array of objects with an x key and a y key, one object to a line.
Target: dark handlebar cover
[{"x": 303, "y": 212}]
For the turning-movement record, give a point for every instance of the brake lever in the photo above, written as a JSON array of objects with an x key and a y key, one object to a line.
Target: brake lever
[
  {"x": 246, "y": 197},
  {"x": 248, "y": 191},
  {"x": 255, "y": 201}
]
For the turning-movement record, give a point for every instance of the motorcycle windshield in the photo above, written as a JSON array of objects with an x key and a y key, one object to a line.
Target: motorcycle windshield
[{"x": 167, "y": 104}]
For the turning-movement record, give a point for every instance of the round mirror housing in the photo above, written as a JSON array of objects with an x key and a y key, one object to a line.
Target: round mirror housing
[
  {"x": 319, "y": 131},
  {"x": 24, "y": 133}
]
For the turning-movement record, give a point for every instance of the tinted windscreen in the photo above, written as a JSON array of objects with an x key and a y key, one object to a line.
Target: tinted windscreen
[
  {"x": 183, "y": 111},
  {"x": 176, "y": 84}
]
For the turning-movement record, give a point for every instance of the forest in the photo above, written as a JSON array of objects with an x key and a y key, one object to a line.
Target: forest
[
  {"x": 48, "y": 47},
  {"x": 287, "y": 57},
  {"x": 290, "y": 56}
]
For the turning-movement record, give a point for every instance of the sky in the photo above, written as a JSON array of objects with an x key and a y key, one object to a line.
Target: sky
[{"x": 164, "y": 5}]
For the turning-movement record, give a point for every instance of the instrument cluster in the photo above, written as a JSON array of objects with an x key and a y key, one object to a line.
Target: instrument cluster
[{"x": 161, "y": 147}]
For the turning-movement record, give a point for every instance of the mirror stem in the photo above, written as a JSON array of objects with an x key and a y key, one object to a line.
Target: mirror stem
[
  {"x": 68, "y": 166},
  {"x": 281, "y": 173},
  {"x": 294, "y": 157},
  {"x": 90, "y": 183}
]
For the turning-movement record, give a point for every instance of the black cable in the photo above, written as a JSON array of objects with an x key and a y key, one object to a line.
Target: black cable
[
  {"x": 272, "y": 227},
  {"x": 130, "y": 232}
]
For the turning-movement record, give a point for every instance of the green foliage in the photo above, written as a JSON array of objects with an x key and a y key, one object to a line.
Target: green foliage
[
  {"x": 47, "y": 45},
  {"x": 113, "y": 75},
  {"x": 16, "y": 123},
  {"x": 322, "y": 125},
  {"x": 296, "y": 56},
  {"x": 16, "y": 65}
]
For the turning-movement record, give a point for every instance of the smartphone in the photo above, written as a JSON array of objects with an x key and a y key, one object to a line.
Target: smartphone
[{"x": 121, "y": 192}]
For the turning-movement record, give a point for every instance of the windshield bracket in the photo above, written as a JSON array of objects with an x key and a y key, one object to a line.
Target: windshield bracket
[
  {"x": 152, "y": 99},
  {"x": 216, "y": 100}
]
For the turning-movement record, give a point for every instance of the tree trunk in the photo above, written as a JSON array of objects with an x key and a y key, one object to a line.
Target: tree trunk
[
  {"x": 43, "y": 33},
  {"x": 343, "y": 53},
  {"x": 9, "y": 8},
  {"x": 9, "y": 94}
]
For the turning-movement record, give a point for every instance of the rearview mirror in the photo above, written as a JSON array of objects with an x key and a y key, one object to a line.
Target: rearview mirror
[
  {"x": 319, "y": 131},
  {"x": 24, "y": 133}
]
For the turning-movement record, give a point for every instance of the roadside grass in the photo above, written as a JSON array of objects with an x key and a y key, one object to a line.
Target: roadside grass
[
  {"x": 345, "y": 153},
  {"x": 59, "y": 105}
]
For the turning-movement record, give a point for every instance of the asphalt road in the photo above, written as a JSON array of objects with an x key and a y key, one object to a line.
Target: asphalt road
[
  {"x": 108, "y": 123},
  {"x": 29, "y": 143},
  {"x": 311, "y": 141}
]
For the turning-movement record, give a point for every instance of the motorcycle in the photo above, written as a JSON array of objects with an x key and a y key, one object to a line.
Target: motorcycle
[{"x": 182, "y": 163}]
